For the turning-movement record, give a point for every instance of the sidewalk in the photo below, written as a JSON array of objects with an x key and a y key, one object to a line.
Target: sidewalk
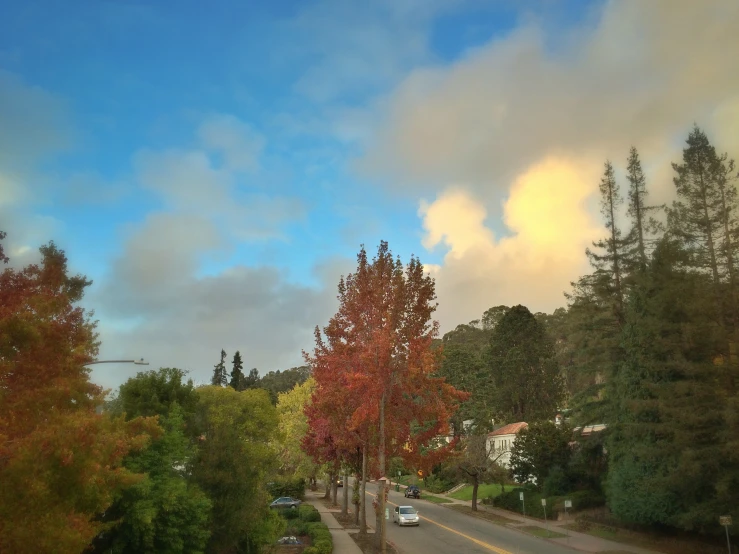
[
  {"x": 577, "y": 541},
  {"x": 343, "y": 543}
]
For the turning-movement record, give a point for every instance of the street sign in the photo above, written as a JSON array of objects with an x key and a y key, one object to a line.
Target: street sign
[
  {"x": 398, "y": 473},
  {"x": 725, "y": 520},
  {"x": 543, "y": 501},
  {"x": 520, "y": 496},
  {"x": 568, "y": 503},
  {"x": 387, "y": 513}
]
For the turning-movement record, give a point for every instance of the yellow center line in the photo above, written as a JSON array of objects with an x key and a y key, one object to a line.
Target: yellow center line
[{"x": 476, "y": 541}]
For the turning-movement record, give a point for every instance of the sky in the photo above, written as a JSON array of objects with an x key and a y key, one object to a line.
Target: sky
[{"x": 214, "y": 169}]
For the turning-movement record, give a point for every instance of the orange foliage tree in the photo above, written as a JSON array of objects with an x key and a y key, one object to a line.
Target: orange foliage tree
[
  {"x": 374, "y": 368},
  {"x": 60, "y": 461}
]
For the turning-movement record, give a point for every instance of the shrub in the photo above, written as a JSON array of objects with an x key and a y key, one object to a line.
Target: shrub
[
  {"x": 289, "y": 513},
  {"x": 557, "y": 482},
  {"x": 511, "y": 501},
  {"x": 321, "y": 538},
  {"x": 309, "y": 513}
]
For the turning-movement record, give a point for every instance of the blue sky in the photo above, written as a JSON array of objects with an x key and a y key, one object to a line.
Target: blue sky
[{"x": 169, "y": 144}]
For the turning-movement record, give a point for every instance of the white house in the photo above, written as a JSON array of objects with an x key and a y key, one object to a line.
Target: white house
[{"x": 501, "y": 440}]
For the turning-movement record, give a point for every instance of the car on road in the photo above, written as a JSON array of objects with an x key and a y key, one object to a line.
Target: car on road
[
  {"x": 339, "y": 482},
  {"x": 406, "y": 515},
  {"x": 285, "y": 502},
  {"x": 412, "y": 492}
]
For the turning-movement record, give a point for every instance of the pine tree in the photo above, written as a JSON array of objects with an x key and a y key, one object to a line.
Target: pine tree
[
  {"x": 608, "y": 260},
  {"x": 237, "y": 376},
  {"x": 703, "y": 216},
  {"x": 643, "y": 226},
  {"x": 669, "y": 461},
  {"x": 220, "y": 377}
]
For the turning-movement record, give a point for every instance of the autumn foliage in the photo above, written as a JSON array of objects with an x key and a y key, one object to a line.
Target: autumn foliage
[
  {"x": 60, "y": 461},
  {"x": 374, "y": 365}
]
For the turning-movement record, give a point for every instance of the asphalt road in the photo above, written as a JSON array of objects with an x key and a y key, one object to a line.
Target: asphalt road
[{"x": 445, "y": 531}]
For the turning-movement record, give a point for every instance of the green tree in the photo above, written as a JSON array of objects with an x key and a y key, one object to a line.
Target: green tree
[
  {"x": 220, "y": 376},
  {"x": 237, "y": 375},
  {"x": 538, "y": 449},
  {"x": 526, "y": 384},
  {"x": 643, "y": 224},
  {"x": 670, "y": 460},
  {"x": 478, "y": 463},
  {"x": 152, "y": 393},
  {"x": 282, "y": 381},
  {"x": 252, "y": 380},
  {"x": 293, "y": 426},
  {"x": 234, "y": 457},
  {"x": 704, "y": 215},
  {"x": 164, "y": 513}
]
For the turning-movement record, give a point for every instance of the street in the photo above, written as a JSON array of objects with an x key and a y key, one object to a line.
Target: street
[{"x": 443, "y": 530}]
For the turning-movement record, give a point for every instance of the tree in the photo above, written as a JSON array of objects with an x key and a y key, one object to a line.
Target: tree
[
  {"x": 643, "y": 225},
  {"x": 526, "y": 384},
  {"x": 282, "y": 381},
  {"x": 378, "y": 349},
  {"x": 293, "y": 426},
  {"x": 220, "y": 376},
  {"x": 3, "y": 257},
  {"x": 671, "y": 461},
  {"x": 704, "y": 215},
  {"x": 153, "y": 393},
  {"x": 234, "y": 457},
  {"x": 478, "y": 462},
  {"x": 164, "y": 512},
  {"x": 60, "y": 460},
  {"x": 237, "y": 376},
  {"x": 537, "y": 449},
  {"x": 608, "y": 260},
  {"x": 251, "y": 381}
]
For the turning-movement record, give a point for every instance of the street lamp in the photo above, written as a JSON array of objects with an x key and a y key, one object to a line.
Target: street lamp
[{"x": 137, "y": 362}]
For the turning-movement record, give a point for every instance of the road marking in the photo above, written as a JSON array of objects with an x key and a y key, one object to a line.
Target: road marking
[{"x": 476, "y": 541}]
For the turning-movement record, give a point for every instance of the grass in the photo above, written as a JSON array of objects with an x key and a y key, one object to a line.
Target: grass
[
  {"x": 541, "y": 532},
  {"x": 483, "y": 514},
  {"x": 483, "y": 491},
  {"x": 435, "y": 499}
]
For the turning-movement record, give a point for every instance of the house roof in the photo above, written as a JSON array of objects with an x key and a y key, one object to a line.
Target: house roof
[{"x": 510, "y": 429}]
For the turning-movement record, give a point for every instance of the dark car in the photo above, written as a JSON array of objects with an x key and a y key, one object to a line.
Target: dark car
[
  {"x": 412, "y": 492},
  {"x": 339, "y": 482},
  {"x": 285, "y": 502}
]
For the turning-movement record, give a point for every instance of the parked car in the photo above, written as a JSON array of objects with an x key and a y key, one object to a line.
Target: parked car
[
  {"x": 339, "y": 481},
  {"x": 413, "y": 492},
  {"x": 405, "y": 515},
  {"x": 285, "y": 502}
]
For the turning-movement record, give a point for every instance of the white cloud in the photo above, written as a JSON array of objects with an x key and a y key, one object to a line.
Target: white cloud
[
  {"x": 192, "y": 182},
  {"x": 549, "y": 226},
  {"x": 240, "y": 144},
  {"x": 153, "y": 305},
  {"x": 530, "y": 118}
]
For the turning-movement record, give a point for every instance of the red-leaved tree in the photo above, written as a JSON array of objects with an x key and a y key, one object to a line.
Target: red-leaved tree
[
  {"x": 60, "y": 461},
  {"x": 376, "y": 364}
]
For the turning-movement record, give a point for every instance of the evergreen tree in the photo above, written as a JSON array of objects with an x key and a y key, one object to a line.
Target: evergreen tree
[
  {"x": 643, "y": 225},
  {"x": 670, "y": 462},
  {"x": 608, "y": 260},
  {"x": 220, "y": 376},
  {"x": 237, "y": 376},
  {"x": 704, "y": 215},
  {"x": 524, "y": 377}
]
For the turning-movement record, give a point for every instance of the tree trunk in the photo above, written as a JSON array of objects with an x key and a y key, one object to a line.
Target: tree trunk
[
  {"x": 327, "y": 494},
  {"x": 334, "y": 489},
  {"x": 475, "y": 485},
  {"x": 363, "y": 485},
  {"x": 380, "y": 530},
  {"x": 345, "y": 499}
]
